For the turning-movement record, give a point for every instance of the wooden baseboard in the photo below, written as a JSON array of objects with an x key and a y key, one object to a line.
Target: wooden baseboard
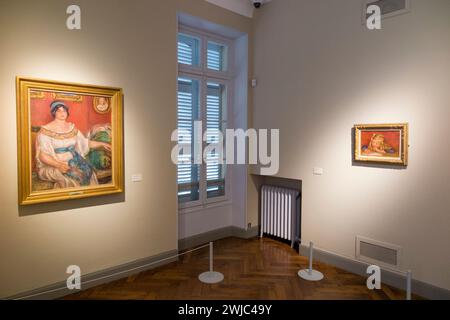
[
  {"x": 214, "y": 235},
  {"x": 59, "y": 289},
  {"x": 388, "y": 277}
]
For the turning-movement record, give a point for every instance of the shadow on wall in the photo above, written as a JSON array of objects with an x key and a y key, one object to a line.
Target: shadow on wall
[
  {"x": 42, "y": 208},
  {"x": 371, "y": 164}
]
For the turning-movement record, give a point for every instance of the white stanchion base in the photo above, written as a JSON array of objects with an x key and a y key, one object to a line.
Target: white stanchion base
[
  {"x": 211, "y": 277},
  {"x": 313, "y": 276}
]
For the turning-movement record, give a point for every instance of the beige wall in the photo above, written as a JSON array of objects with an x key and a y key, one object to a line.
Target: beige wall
[
  {"x": 320, "y": 72},
  {"x": 128, "y": 44}
]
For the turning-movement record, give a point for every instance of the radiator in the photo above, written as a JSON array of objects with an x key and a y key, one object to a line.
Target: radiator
[{"x": 280, "y": 213}]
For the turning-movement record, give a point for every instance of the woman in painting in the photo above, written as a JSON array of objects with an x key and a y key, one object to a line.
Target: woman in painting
[
  {"x": 377, "y": 146},
  {"x": 61, "y": 150}
]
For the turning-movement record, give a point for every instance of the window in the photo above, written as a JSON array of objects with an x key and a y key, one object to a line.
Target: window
[
  {"x": 215, "y": 123},
  {"x": 188, "y": 112},
  {"x": 217, "y": 56},
  {"x": 203, "y": 95},
  {"x": 188, "y": 50}
]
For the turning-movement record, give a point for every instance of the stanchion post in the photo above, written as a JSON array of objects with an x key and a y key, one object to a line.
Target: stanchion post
[
  {"x": 408, "y": 284},
  {"x": 211, "y": 276},
  {"x": 310, "y": 274},
  {"x": 211, "y": 248},
  {"x": 311, "y": 246}
]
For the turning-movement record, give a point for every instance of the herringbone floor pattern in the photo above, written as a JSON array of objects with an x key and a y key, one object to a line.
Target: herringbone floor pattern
[{"x": 254, "y": 269}]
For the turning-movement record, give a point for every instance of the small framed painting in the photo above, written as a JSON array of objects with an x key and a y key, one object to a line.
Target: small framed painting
[
  {"x": 70, "y": 140},
  {"x": 382, "y": 143}
]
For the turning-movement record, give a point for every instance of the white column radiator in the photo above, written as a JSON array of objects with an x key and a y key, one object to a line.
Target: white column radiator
[{"x": 280, "y": 213}]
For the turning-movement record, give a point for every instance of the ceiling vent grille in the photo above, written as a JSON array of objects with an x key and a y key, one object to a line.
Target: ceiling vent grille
[{"x": 378, "y": 253}]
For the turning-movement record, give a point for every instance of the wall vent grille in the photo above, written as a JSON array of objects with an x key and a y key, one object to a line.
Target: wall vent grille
[
  {"x": 378, "y": 253},
  {"x": 389, "y": 8}
]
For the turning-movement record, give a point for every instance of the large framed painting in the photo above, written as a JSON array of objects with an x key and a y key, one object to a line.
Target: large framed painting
[
  {"x": 382, "y": 143},
  {"x": 70, "y": 140}
]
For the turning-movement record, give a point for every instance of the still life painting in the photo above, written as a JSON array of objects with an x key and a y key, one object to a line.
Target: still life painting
[
  {"x": 381, "y": 143},
  {"x": 69, "y": 140}
]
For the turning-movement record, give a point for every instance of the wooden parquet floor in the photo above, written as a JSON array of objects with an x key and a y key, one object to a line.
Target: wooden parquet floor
[{"x": 256, "y": 269}]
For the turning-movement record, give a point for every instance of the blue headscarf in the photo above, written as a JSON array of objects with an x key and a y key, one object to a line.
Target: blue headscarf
[{"x": 56, "y": 105}]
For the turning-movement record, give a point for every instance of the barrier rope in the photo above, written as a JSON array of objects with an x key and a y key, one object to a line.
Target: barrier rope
[
  {"x": 116, "y": 273},
  {"x": 407, "y": 274}
]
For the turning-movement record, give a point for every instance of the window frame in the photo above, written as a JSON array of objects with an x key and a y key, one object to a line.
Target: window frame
[
  {"x": 227, "y": 84},
  {"x": 201, "y": 94},
  {"x": 203, "y": 68},
  {"x": 191, "y": 68},
  {"x": 205, "y": 75}
]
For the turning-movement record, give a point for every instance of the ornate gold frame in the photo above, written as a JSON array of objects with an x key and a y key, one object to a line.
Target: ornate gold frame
[
  {"x": 403, "y": 127},
  {"x": 67, "y": 97},
  {"x": 26, "y": 195},
  {"x": 36, "y": 95}
]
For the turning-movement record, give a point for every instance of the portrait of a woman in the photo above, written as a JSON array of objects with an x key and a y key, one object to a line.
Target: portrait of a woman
[
  {"x": 61, "y": 151},
  {"x": 377, "y": 146}
]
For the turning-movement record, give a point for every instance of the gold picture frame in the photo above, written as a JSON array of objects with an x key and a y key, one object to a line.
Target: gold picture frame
[
  {"x": 55, "y": 163},
  {"x": 67, "y": 96},
  {"x": 37, "y": 95},
  {"x": 382, "y": 143}
]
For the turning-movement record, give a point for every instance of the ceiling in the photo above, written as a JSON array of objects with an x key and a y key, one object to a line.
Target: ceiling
[{"x": 243, "y": 7}]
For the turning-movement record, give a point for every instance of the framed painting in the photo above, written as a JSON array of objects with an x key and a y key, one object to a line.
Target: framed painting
[
  {"x": 70, "y": 140},
  {"x": 382, "y": 143}
]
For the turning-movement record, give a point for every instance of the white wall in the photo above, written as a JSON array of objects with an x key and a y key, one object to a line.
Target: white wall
[
  {"x": 205, "y": 219},
  {"x": 37, "y": 243},
  {"x": 240, "y": 121},
  {"x": 321, "y": 71},
  {"x": 127, "y": 44},
  {"x": 243, "y": 7}
]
